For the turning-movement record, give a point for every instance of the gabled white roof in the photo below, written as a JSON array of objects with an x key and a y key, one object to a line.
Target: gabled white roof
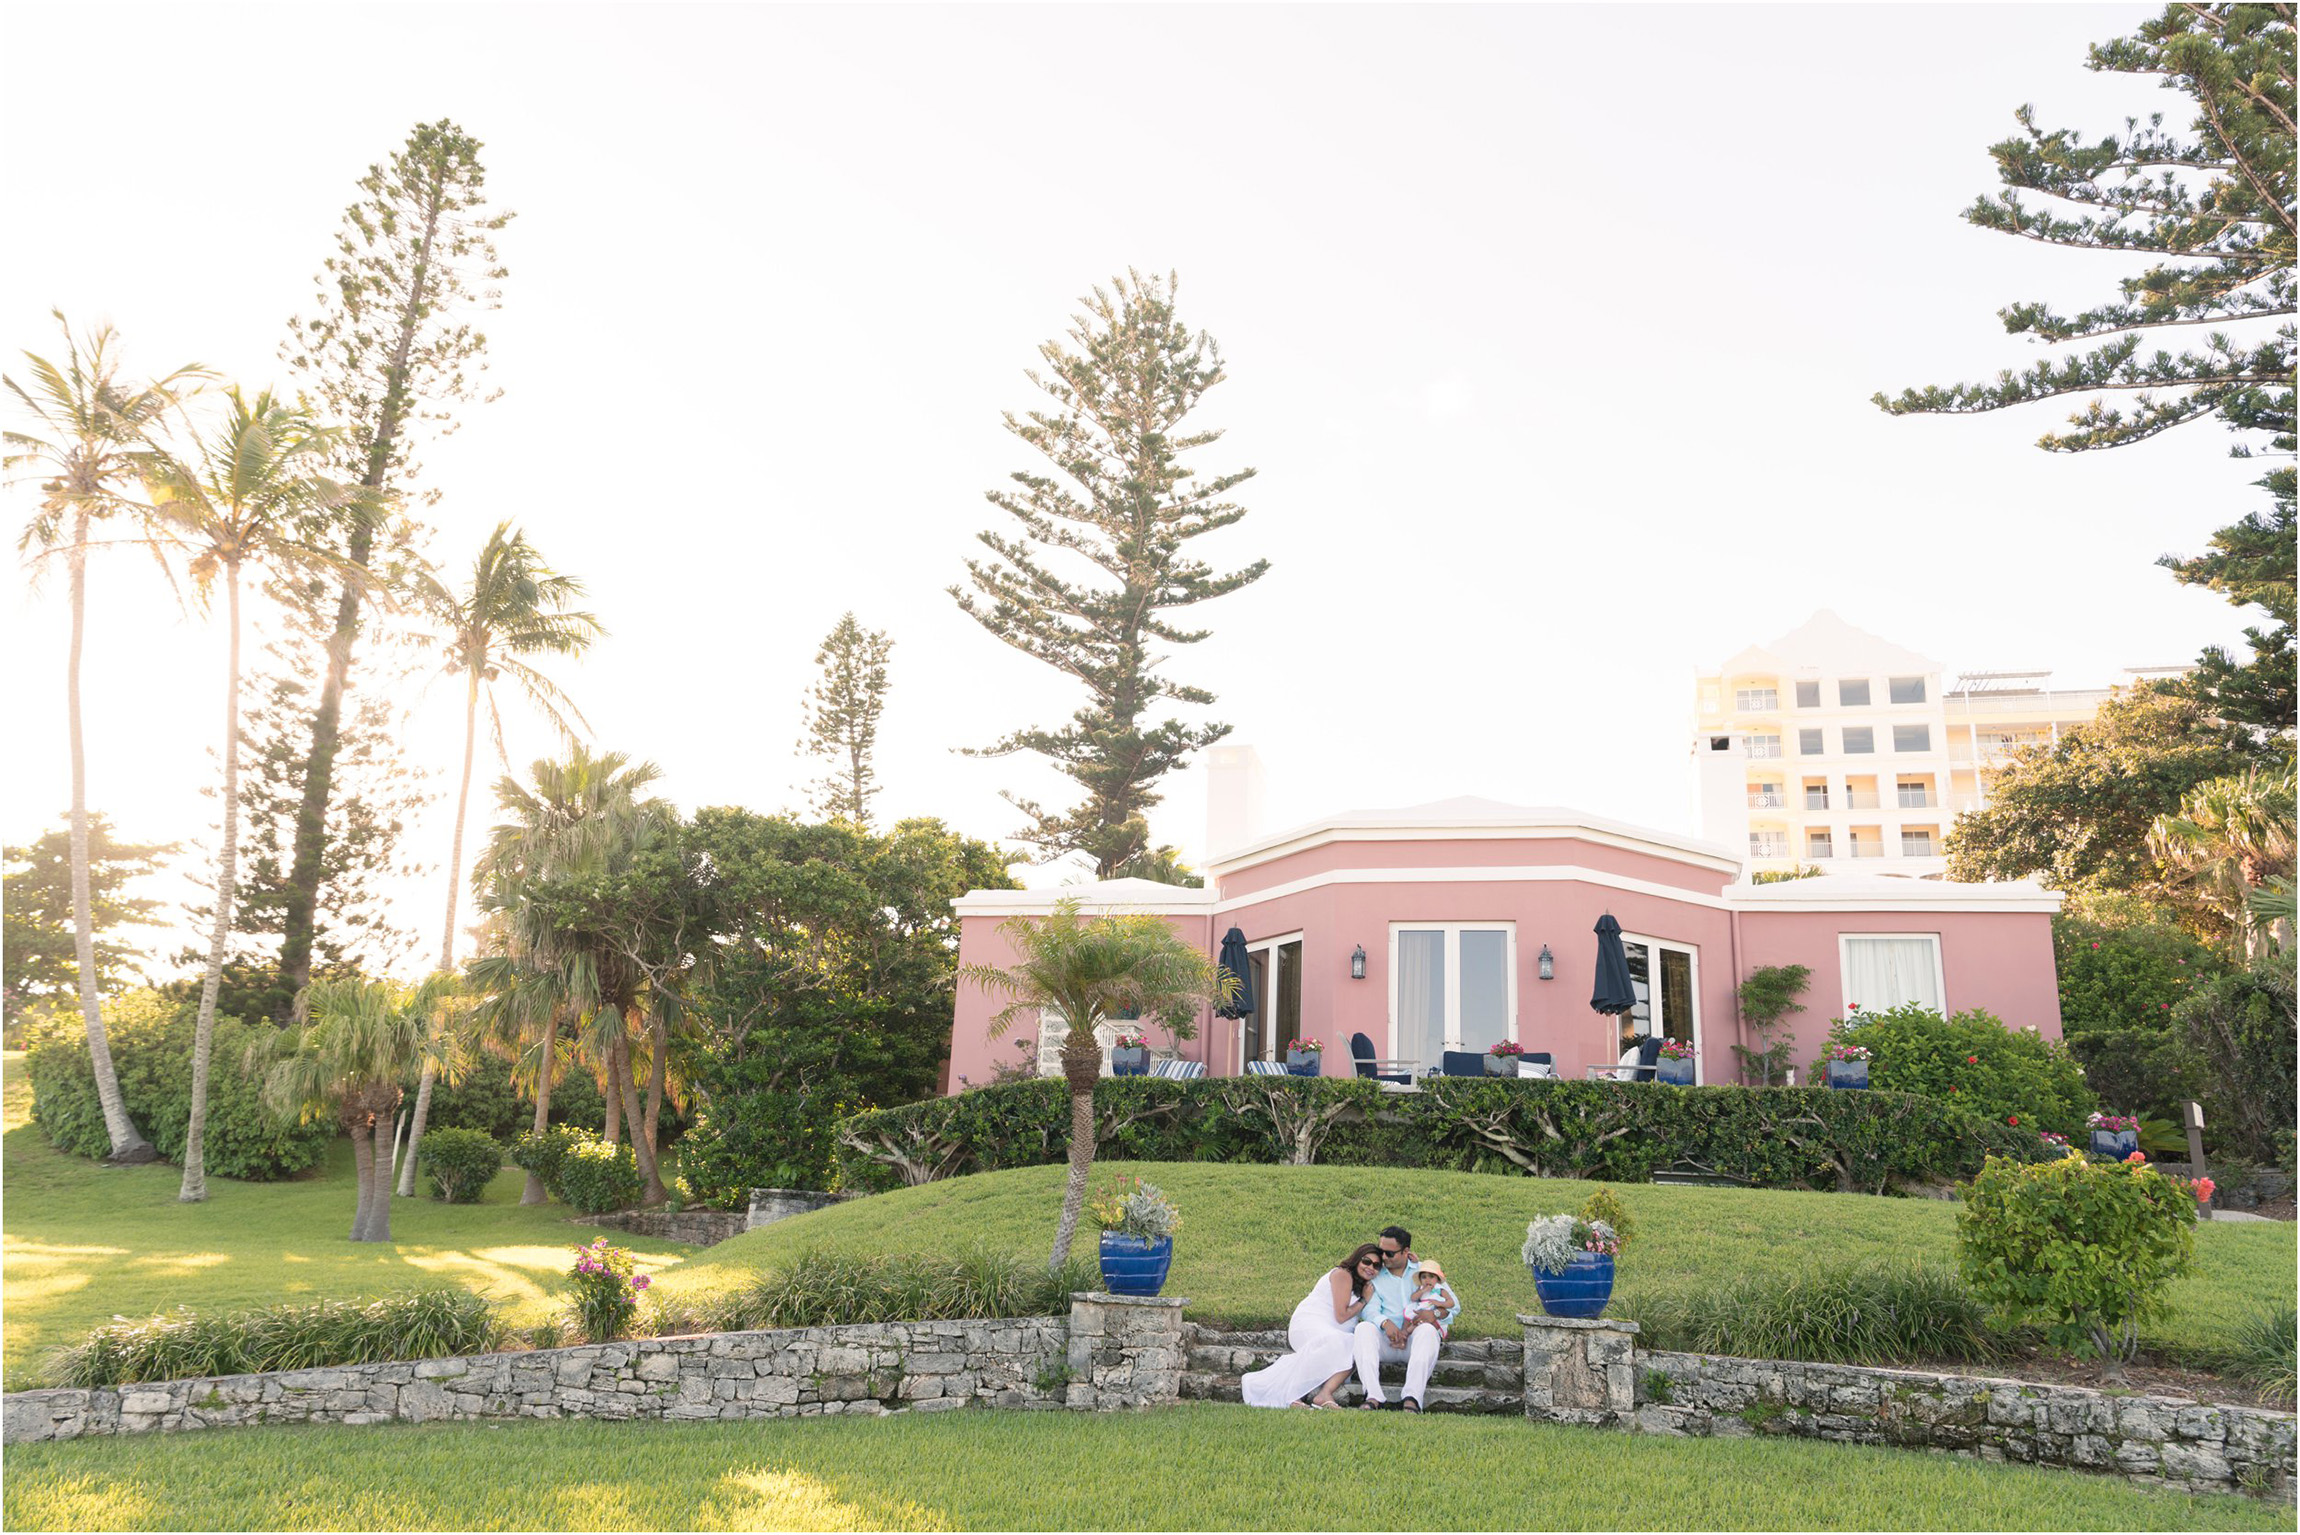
[
  {"x": 1886, "y": 892},
  {"x": 1469, "y": 816},
  {"x": 1826, "y": 645},
  {"x": 1146, "y": 895}
]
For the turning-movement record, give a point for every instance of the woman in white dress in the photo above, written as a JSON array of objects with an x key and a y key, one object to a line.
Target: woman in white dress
[{"x": 1320, "y": 1336}]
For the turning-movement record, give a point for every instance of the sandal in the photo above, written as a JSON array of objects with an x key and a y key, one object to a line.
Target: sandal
[{"x": 1326, "y": 1406}]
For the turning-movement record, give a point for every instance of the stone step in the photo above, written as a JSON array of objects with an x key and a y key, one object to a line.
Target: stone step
[
  {"x": 1469, "y": 1366},
  {"x": 1204, "y": 1386}
]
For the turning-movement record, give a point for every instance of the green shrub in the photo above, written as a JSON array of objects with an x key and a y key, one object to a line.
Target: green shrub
[
  {"x": 2266, "y": 1352},
  {"x": 542, "y": 1151},
  {"x": 832, "y": 1289},
  {"x": 1865, "y": 1313},
  {"x": 606, "y": 1290},
  {"x": 415, "y": 1324},
  {"x": 1605, "y": 1131},
  {"x": 485, "y": 1100},
  {"x": 776, "y": 1140},
  {"x": 2128, "y": 975},
  {"x": 2244, "y": 1029},
  {"x": 595, "y": 1177},
  {"x": 1973, "y": 1061},
  {"x": 2083, "y": 1250},
  {"x": 151, "y": 1040},
  {"x": 460, "y": 1163}
]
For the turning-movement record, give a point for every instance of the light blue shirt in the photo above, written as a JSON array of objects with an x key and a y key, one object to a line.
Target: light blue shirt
[{"x": 1394, "y": 1293}]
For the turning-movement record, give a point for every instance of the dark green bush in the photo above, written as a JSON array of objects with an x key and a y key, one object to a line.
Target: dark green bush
[
  {"x": 595, "y": 1177},
  {"x": 485, "y": 1100},
  {"x": 151, "y": 1039},
  {"x": 416, "y": 1324},
  {"x": 1609, "y": 1131},
  {"x": 2128, "y": 975},
  {"x": 2245, "y": 1032},
  {"x": 541, "y": 1152},
  {"x": 1864, "y": 1313},
  {"x": 1973, "y": 1061},
  {"x": 832, "y": 1289},
  {"x": 460, "y": 1164},
  {"x": 775, "y": 1140}
]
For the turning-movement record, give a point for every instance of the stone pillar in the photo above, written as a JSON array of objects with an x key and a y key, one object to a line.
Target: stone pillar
[
  {"x": 1581, "y": 1372},
  {"x": 1125, "y": 1351}
]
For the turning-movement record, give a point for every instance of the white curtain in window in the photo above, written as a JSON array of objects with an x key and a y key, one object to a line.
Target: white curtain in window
[
  {"x": 1887, "y": 972},
  {"x": 1421, "y": 995}
]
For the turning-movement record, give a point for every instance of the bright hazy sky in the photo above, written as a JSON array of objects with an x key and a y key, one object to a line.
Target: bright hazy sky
[{"x": 1551, "y": 331}]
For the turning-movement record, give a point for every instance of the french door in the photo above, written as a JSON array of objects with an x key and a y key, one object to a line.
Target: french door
[
  {"x": 1274, "y": 968},
  {"x": 1453, "y": 986},
  {"x": 1663, "y": 978}
]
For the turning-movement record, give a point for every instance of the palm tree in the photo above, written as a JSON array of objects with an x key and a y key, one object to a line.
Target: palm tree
[
  {"x": 1089, "y": 969},
  {"x": 557, "y": 874},
  {"x": 514, "y": 607},
  {"x": 89, "y": 438},
  {"x": 2232, "y": 837},
  {"x": 353, "y": 1057},
  {"x": 519, "y": 1017},
  {"x": 250, "y": 493}
]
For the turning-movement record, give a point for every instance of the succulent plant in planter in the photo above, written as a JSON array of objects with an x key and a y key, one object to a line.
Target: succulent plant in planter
[
  {"x": 1138, "y": 1224},
  {"x": 1571, "y": 1258}
]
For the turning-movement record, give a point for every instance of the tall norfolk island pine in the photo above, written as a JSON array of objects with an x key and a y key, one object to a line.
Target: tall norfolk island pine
[
  {"x": 842, "y": 714},
  {"x": 386, "y": 346},
  {"x": 1121, "y": 501},
  {"x": 87, "y": 442}
]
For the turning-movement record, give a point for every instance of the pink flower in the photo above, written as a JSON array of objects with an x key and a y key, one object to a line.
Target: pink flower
[
  {"x": 2204, "y": 1188},
  {"x": 2138, "y": 1156},
  {"x": 641, "y": 1282},
  {"x": 2012, "y": 1119}
]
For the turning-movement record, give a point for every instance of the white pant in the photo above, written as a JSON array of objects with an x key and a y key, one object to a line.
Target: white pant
[{"x": 1374, "y": 1349}]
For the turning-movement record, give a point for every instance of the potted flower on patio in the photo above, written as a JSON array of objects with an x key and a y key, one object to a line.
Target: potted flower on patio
[
  {"x": 2114, "y": 1135},
  {"x": 1501, "y": 1059},
  {"x": 1129, "y": 1056},
  {"x": 1138, "y": 1224},
  {"x": 1675, "y": 1064},
  {"x": 1571, "y": 1259},
  {"x": 1306, "y": 1058},
  {"x": 1848, "y": 1065}
]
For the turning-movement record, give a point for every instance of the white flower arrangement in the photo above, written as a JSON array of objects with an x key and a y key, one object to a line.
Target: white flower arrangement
[{"x": 1552, "y": 1242}]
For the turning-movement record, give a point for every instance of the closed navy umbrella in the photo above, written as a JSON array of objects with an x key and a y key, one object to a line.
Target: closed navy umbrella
[
  {"x": 1233, "y": 959},
  {"x": 1614, "y": 994}
]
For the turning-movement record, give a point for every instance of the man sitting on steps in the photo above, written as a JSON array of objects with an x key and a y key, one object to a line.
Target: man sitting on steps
[{"x": 1391, "y": 1334}]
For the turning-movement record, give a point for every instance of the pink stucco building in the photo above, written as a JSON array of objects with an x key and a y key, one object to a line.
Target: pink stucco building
[{"x": 1475, "y": 923}]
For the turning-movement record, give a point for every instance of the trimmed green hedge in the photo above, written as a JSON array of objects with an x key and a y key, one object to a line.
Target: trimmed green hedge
[
  {"x": 1773, "y": 1137},
  {"x": 151, "y": 1039}
]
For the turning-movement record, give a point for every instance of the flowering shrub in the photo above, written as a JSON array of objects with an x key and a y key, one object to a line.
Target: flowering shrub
[
  {"x": 1973, "y": 1061},
  {"x": 2084, "y": 1250},
  {"x": 1506, "y": 1047},
  {"x": 2202, "y": 1188},
  {"x": 1841, "y": 1052},
  {"x": 1552, "y": 1242},
  {"x": 2112, "y": 1122},
  {"x": 1128, "y": 1042},
  {"x": 2051, "y": 1139},
  {"x": 1130, "y": 1207},
  {"x": 1676, "y": 1050},
  {"x": 1313, "y": 1046},
  {"x": 1605, "y": 1208},
  {"x": 595, "y": 1177},
  {"x": 606, "y": 1290}
]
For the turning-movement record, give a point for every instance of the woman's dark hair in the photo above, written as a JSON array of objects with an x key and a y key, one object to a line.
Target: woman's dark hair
[{"x": 1360, "y": 1283}]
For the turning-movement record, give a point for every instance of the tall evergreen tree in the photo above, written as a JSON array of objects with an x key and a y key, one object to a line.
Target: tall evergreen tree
[
  {"x": 842, "y": 715},
  {"x": 39, "y": 954},
  {"x": 2212, "y": 217},
  {"x": 1121, "y": 501},
  {"x": 388, "y": 346}
]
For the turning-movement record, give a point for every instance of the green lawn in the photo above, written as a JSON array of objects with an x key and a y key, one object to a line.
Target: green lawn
[
  {"x": 83, "y": 1242},
  {"x": 1190, "y": 1467},
  {"x": 1253, "y": 1238}
]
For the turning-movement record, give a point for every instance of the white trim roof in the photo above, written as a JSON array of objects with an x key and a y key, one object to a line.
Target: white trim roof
[
  {"x": 1144, "y": 895},
  {"x": 1470, "y": 818},
  {"x": 1885, "y": 892}
]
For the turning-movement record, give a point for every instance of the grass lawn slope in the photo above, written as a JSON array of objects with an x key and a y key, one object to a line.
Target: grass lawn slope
[
  {"x": 83, "y": 1242},
  {"x": 1191, "y": 1467},
  {"x": 1253, "y": 1238}
]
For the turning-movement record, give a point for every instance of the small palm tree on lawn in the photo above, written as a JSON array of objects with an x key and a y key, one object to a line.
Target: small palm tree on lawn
[
  {"x": 250, "y": 493},
  {"x": 86, "y": 447},
  {"x": 2232, "y": 838},
  {"x": 513, "y": 608},
  {"x": 1090, "y": 969},
  {"x": 353, "y": 1058}
]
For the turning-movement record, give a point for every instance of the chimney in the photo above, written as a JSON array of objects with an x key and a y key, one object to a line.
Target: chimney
[{"x": 1233, "y": 798}]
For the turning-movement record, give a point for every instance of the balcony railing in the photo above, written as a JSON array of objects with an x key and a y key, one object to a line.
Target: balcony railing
[
  {"x": 1762, "y": 746},
  {"x": 1861, "y": 799},
  {"x": 1917, "y": 799},
  {"x": 1867, "y": 850},
  {"x": 1818, "y": 848},
  {"x": 1759, "y": 800},
  {"x": 1916, "y": 847},
  {"x": 1816, "y": 799},
  {"x": 1768, "y": 847}
]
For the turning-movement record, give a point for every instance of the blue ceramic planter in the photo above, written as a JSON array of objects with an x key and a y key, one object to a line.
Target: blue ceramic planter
[
  {"x": 2115, "y": 1143},
  {"x": 1848, "y": 1073},
  {"x": 1135, "y": 1265},
  {"x": 1305, "y": 1063},
  {"x": 1674, "y": 1073},
  {"x": 1130, "y": 1063},
  {"x": 1582, "y": 1291}
]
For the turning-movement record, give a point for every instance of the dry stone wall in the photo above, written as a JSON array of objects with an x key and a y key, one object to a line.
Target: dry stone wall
[{"x": 1110, "y": 1353}]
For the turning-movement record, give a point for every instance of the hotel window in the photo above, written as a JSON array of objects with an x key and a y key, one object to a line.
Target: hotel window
[
  {"x": 1852, "y": 692},
  {"x": 1755, "y": 700},
  {"x": 1887, "y": 970},
  {"x": 1916, "y": 842},
  {"x": 1914, "y": 793},
  {"x": 1808, "y": 695},
  {"x": 1764, "y": 746},
  {"x": 1860, "y": 740},
  {"x": 1453, "y": 987},
  {"x": 1912, "y": 738},
  {"x": 1907, "y": 690},
  {"x": 1809, "y": 743},
  {"x": 1817, "y": 845},
  {"x": 1816, "y": 794},
  {"x": 1275, "y": 973}
]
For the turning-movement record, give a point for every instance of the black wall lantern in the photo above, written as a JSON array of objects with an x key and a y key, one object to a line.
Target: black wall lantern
[
  {"x": 1358, "y": 963},
  {"x": 1547, "y": 963}
]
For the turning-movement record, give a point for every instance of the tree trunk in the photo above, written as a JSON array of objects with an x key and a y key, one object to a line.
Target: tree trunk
[
  {"x": 195, "y": 1184},
  {"x": 658, "y": 1036},
  {"x": 379, "y": 1202},
  {"x": 415, "y": 1130},
  {"x": 614, "y": 1135},
  {"x": 128, "y": 1143},
  {"x": 533, "y": 1192},
  {"x": 299, "y": 916},
  {"x": 1082, "y": 1070},
  {"x": 625, "y": 1085},
  {"x": 362, "y": 1128}
]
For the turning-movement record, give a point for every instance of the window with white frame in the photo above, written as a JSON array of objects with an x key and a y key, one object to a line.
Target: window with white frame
[
  {"x": 1275, "y": 966},
  {"x": 1762, "y": 746},
  {"x": 1453, "y": 986},
  {"x": 1662, "y": 978},
  {"x": 1860, "y": 740},
  {"x": 1852, "y": 692},
  {"x": 1809, "y": 743},
  {"x": 1912, "y": 738},
  {"x": 1906, "y": 690},
  {"x": 1808, "y": 695},
  {"x": 1888, "y": 970},
  {"x": 1755, "y": 700}
]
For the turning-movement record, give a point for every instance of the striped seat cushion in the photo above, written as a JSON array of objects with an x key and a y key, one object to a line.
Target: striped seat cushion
[
  {"x": 1178, "y": 1071},
  {"x": 1265, "y": 1068}
]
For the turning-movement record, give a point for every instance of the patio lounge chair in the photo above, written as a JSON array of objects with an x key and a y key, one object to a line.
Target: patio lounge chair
[
  {"x": 1362, "y": 1056},
  {"x": 1266, "y": 1069},
  {"x": 1463, "y": 1063},
  {"x": 1178, "y": 1071}
]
